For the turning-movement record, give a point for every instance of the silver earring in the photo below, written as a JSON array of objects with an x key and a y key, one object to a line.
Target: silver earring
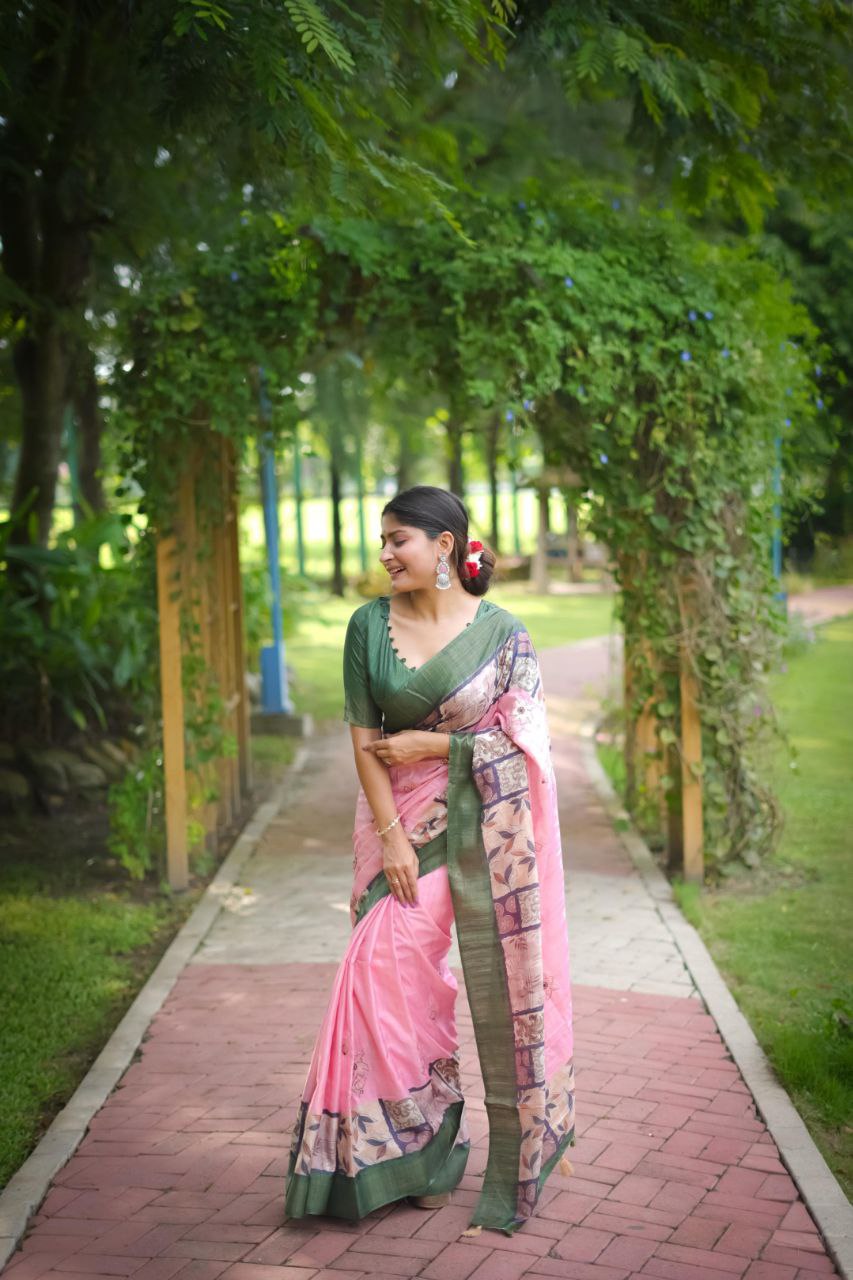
[{"x": 442, "y": 573}]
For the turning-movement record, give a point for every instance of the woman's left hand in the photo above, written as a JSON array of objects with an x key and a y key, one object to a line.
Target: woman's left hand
[{"x": 408, "y": 746}]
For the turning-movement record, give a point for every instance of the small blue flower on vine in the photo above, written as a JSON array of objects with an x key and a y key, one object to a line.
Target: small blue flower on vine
[
  {"x": 568, "y": 282},
  {"x": 685, "y": 355}
]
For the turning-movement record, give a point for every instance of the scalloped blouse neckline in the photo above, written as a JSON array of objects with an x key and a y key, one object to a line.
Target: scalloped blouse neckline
[{"x": 385, "y": 602}]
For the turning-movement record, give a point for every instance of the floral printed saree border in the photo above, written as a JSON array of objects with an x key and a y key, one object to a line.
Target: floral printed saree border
[{"x": 384, "y": 1151}]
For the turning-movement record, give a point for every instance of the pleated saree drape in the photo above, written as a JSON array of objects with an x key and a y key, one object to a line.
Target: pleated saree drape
[{"x": 382, "y": 1112}]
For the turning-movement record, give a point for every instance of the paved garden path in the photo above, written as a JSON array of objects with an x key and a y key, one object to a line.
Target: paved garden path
[{"x": 181, "y": 1173}]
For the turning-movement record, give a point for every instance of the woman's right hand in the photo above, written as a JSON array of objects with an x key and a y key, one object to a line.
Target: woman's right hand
[{"x": 400, "y": 864}]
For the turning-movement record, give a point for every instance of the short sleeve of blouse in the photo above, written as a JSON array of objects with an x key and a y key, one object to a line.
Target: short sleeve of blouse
[{"x": 359, "y": 706}]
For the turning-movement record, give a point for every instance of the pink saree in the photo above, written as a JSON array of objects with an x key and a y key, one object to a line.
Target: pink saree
[{"x": 382, "y": 1111}]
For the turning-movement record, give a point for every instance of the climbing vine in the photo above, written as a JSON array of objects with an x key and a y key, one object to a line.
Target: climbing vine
[{"x": 667, "y": 371}]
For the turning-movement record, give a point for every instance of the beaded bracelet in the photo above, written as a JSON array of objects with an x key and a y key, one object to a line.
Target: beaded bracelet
[{"x": 391, "y": 824}]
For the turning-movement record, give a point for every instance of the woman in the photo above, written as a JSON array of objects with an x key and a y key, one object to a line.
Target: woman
[{"x": 456, "y": 819}]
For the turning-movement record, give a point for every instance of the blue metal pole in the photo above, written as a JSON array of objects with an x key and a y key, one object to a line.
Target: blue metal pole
[{"x": 275, "y": 696}]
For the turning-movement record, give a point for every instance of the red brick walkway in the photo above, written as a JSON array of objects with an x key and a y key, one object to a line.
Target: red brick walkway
[{"x": 182, "y": 1171}]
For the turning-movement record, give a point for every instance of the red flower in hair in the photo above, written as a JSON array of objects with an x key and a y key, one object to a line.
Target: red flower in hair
[
  {"x": 472, "y": 567},
  {"x": 473, "y": 545}
]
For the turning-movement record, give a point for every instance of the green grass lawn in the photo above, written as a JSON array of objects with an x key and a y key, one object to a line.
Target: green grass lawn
[
  {"x": 315, "y": 652},
  {"x": 784, "y": 939},
  {"x": 77, "y": 942},
  {"x": 72, "y": 963}
]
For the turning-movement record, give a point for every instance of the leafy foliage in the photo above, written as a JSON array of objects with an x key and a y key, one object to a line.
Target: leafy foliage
[
  {"x": 78, "y": 624},
  {"x": 731, "y": 105},
  {"x": 661, "y": 368}
]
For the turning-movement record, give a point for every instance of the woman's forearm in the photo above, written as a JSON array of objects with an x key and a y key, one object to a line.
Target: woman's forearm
[{"x": 373, "y": 775}]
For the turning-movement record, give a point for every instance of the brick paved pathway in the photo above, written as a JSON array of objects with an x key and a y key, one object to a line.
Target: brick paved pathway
[{"x": 181, "y": 1173}]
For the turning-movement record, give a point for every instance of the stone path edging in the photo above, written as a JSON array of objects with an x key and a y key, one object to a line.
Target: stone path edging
[
  {"x": 28, "y": 1186},
  {"x": 818, "y": 1186}
]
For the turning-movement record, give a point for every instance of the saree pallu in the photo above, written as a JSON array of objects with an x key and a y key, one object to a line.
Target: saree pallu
[{"x": 382, "y": 1111}]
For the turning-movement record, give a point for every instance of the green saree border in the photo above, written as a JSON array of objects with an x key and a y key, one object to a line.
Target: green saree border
[
  {"x": 430, "y": 855},
  {"x": 434, "y": 1169},
  {"x": 485, "y": 983}
]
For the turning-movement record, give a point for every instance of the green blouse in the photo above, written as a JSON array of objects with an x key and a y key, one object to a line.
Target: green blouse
[{"x": 380, "y": 690}]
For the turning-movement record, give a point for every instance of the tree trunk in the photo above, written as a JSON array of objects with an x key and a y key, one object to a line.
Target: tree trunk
[
  {"x": 84, "y": 397},
  {"x": 541, "y": 581},
  {"x": 4, "y": 466},
  {"x": 492, "y": 447},
  {"x": 337, "y": 543},
  {"x": 574, "y": 567},
  {"x": 50, "y": 205},
  {"x": 405, "y": 457},
  {"x": 455, "y": 475},
  {"x": 41, "y": 366},
  {"x": 362, "y": 531}
]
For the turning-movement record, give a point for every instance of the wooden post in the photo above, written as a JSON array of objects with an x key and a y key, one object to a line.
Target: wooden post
[
  {"x": 208, "y": 769},
  {"x": 192, "y": 601},
  {"x": 230, "y": 691},
  {"x": 244, "y": 740},
  {"x": 646, "y": 759},
  {"x": 629, "y": 747},
  {"x": 691, "y": 754},
  {"x": 674, "y": 820},
  {"x": 198, "y": 569},
  {"x": 629, "y": 750},
  {"x": 220, "y": 654},
  {"x": 648, "y": 742},
  {"x": 172, "y": 695}
]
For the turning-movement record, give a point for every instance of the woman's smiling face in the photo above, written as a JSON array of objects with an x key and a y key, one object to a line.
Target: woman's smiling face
[{"x": 409, "y": 555}]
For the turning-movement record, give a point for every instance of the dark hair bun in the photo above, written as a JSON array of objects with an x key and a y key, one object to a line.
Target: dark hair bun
[{"x": 479, "y": 584}]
